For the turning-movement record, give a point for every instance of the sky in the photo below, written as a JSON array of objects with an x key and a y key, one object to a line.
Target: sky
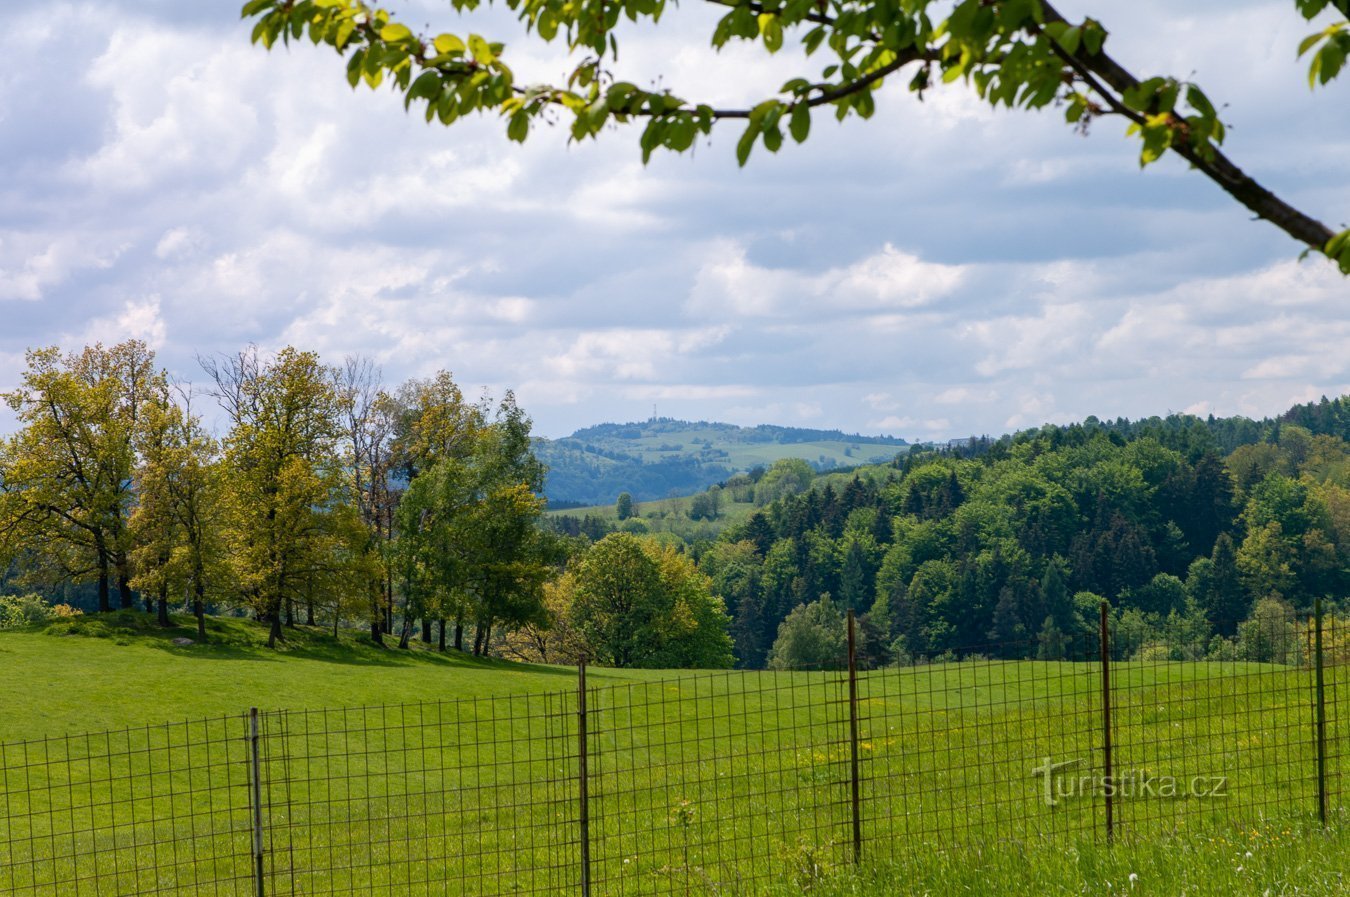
[{"x": 938, "y": 271}]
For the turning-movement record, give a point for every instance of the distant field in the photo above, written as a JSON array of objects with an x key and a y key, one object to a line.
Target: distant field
[
  {"x": 658, "y": 459},
  {"x": 706, "y": 783},
  {"x": 672, "y": 514}
]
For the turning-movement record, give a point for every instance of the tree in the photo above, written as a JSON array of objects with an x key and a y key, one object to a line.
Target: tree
[
  {"x": 370, "y": 417},
  {"x": 285, "y": 503},
  {"x": 176, "y": 523},
  {"x": 1216, "y": 585},
  {"x": 1013, "y": 53},
  {"x": 623, "y": 507},
  {"x": 638, "y": 604},
  {"x": 66, "y": 475},
  {"x": 813, "y": 637}
]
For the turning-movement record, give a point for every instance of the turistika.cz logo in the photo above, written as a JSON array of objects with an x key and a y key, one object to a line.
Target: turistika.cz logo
[{"x": 1065, "y": 779}]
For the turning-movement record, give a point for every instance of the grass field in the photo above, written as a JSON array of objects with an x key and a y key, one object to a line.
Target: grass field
[{"x": 712, "y": 783}]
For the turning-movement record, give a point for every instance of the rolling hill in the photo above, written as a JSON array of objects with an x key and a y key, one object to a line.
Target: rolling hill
[{"x": 662, "y": 457}]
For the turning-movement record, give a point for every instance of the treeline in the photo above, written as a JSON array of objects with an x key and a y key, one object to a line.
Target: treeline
[
  {"x": 329, "y": 497},
  {"x": 1016, "y": 548}
]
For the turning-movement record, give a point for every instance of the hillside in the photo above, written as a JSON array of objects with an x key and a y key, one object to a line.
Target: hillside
[
  {"x": 111, "y": 671},
  {"x": 661, "y": 458}
]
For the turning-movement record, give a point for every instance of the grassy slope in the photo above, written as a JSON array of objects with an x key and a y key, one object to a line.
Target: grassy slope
[
  {"x": 98, "y": 674},
  {"x": 672, "y": 514},
  {"x": 743, "y": 455},
  {"x": 752, "y": 756}
]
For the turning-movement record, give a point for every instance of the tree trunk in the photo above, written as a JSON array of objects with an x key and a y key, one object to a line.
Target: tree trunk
[
  {"x": 376, "y": 615},
  {"x": 426, "y": 630},
  {"x": 441, "y": 642},
  {"x": 124, "y": 582},
  {"x": 309, "y": 612},
  {"x": 199, "y": 607},
  {"x": 149, "y": 603},
  {"x": 274, "y": 633},
  {"x": 290, "y": 613},
  {"x": 477, "y": 640},
  {"x": 459, "y": 635},
  {"x": 104, "y": 596},
  {"x": 164, "y": 605}
]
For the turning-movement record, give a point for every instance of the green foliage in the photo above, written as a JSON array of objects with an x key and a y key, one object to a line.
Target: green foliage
[
  {"x": 811, "y": 638},
  {"x": 1019, "y": 544},
  {"x": 18, "y": 611},
  {"x": 635, "y": 603}
]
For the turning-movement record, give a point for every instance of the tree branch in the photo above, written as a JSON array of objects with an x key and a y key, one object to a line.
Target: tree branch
[{"x": 1100, "y": 67}]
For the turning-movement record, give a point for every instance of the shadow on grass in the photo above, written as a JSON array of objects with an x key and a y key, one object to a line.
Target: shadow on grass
[{"x": 237, "y": 638}]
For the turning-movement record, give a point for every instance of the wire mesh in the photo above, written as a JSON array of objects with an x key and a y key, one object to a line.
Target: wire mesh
[
  {"x": 475, "y": 797},
  {"x": 981, "y": 749},
  {"x": 715, "y": 783},
  {"x": 726, "y": 782},
  {"x": 151, "y": 810}
]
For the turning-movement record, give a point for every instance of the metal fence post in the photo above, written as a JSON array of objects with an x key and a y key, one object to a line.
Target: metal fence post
[
  {"x": 855, "y": 780},
  {"x": 584, "y": 815},
  {"x": 1106, "y": 722},
  {"x": 255, "y": 798},
  {"x": 1321, "y": 697}
]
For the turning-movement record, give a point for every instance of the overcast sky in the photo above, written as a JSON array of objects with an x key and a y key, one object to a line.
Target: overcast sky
[{"x": 937, "y": 271}]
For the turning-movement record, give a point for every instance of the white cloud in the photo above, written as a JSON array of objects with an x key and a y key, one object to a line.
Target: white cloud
[
  {"x": 181, "y": 107},
  {"x": 941, "y": 269},
  {"x": 135, "y": 320},
  {"x": 31, "y": 265},
  {"x": 730, "y": 284}
]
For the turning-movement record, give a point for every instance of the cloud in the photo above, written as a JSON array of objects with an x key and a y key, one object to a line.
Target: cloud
[
  {"x": 940, "y": 270},
  {"x": 136, "y": 320},
  {"x": 729, "y": 284},
  {"x": 31, "y": 265}
]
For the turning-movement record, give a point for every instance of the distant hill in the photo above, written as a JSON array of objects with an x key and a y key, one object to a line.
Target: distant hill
[{"x": 662, "y": 457}]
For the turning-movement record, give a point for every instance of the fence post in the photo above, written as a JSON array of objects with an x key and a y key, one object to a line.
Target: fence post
[
  {"x": 584, "y": 816},
  {"x": 1321, "y": 714},
  {"x": 855, "y": 780},
  {"x": 255, "y": 798},
  {"x": 1106, "y": 721}
]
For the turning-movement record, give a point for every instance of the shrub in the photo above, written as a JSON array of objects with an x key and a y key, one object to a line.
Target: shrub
[{"x": 26, "y": 610}]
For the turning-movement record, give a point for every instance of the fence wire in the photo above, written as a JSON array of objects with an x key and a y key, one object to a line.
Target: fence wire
[{"x": 700, "y": 783}]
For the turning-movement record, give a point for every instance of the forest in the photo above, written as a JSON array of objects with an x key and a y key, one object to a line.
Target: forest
[
  {"x": 1189, "y": 527},
  {"x": 411, "y": 513}
]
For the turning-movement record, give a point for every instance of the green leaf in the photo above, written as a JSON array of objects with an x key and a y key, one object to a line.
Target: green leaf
[
  {"x": 1094, "y": 35},
  {"x": 771, "y": 29},
  {"x": 746, "y": 143},
  {"x": 482, "y": 53},
  {"x": 1310, "y": 41},
  {"x": 799, "y": 124},
  {"x": 519, "y": 127},
  {"x": 253, "y": 7},
  {"x": 395, "y": 32},
  {"x": 427, "y": 85},
  {"x": 448, "y": 44},
  {"x": 1070, "y": 39}
]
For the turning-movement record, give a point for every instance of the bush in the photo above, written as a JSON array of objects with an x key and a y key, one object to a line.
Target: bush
[{"x": 26, "y": 610}]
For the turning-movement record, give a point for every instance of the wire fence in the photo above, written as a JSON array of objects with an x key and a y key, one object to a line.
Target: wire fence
[{"x": 703, "y": 783}]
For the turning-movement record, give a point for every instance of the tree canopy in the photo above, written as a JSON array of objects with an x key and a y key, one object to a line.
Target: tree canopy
[{"x": 1013, "y": 53}]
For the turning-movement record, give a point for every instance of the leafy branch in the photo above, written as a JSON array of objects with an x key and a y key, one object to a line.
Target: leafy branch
[{"x": 1015, "y": 53}]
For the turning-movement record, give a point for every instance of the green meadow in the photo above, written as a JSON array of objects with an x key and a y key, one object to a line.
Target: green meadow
[{"x": 415, "y": 773}]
